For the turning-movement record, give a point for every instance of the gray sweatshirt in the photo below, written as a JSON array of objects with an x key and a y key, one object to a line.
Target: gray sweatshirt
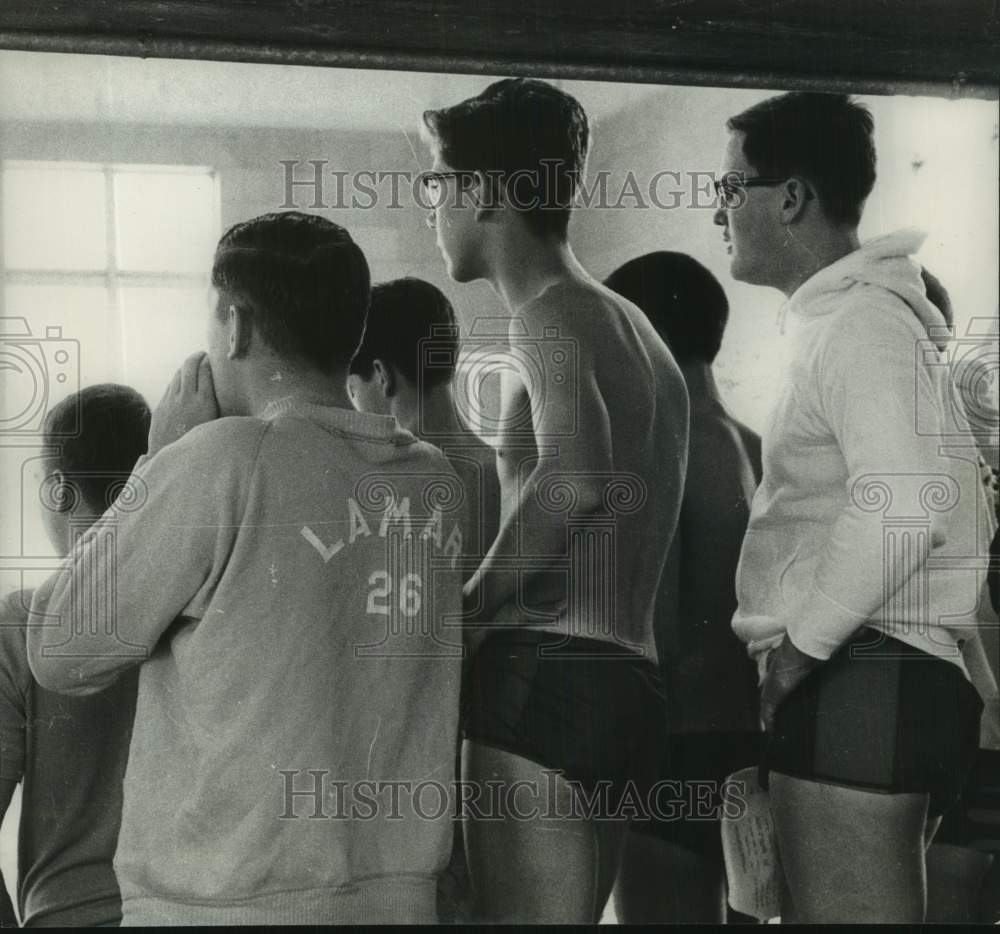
[{"x": 290, "y": 585}]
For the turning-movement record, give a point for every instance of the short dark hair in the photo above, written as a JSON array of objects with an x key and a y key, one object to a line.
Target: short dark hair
[
  {"x": 825, "y": 138},
  {"x": 98, "y": 434},
  {"x": 520, "y": 125},
  {"x": 938, "y": 296},
  {"x": 682, "y": 299},
  {"x": 304, "y": 281},
  {"x": 403, "y": 313}
]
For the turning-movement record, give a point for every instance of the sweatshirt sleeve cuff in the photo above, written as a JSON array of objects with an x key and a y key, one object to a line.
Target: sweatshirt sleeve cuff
[
  {"x": 811, "y": 643},
  {"x": 822, "y": 626}
]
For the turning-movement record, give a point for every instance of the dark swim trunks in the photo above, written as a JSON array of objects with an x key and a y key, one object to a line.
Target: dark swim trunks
[
  {"x": 880, "y": 715},
  {"x": 556, "y": 703}
]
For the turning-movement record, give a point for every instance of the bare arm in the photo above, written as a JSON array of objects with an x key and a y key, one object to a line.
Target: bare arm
[
  {"x": 491, "y": 504},
  {"x": 584, "y": 459},
  {"x": 718, "y": 488}
]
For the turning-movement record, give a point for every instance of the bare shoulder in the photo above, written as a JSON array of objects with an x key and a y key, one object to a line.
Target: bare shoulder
[
  {"x": 715, "y": 426},
  {"x": 603, "y": 326},
  {"x": 720, "y": 444},
  {"x": 576, "y": 307}
]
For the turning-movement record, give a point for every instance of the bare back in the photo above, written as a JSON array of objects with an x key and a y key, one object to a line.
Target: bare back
[
  {"x": 603, "y": 381},
  {"x": 710, "y": 679}
]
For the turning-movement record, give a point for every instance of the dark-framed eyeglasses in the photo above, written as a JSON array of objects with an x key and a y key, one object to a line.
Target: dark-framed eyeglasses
[
  {"x": 730, "y": 189},
  {"x": 435, "y": 191}
]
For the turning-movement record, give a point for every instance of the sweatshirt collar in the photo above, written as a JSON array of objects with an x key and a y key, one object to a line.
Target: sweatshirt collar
[
  {"x": 838, "y": 275},
  {"x": 885, "y": 261},
  {"x": 363, "y": 424}
]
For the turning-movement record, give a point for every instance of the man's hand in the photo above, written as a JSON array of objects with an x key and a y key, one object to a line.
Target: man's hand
[
  {"x": 786, "y": 668},
  {"x": 189, "y": 401}
]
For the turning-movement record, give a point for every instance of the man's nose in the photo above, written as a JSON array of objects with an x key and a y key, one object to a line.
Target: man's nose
[
  {"x": 720, "y": 217},
  {"x": 431, "y": 220}
]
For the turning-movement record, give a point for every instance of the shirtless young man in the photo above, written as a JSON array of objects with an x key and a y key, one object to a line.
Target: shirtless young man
[
  {"x": 591, "y": 456},
  {"x": 672, "y": 870}
]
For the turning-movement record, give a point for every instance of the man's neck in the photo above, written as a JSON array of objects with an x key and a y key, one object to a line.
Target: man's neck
[
  {"x": 815, "y": 250},
  {"x": 433, "y": 418},
  {"x": 278, "y": 379},
  {"x": 523, "y": 266}
]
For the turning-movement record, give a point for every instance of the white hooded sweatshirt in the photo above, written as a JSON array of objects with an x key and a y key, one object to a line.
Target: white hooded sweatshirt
[{"x": 871, "y": 509}]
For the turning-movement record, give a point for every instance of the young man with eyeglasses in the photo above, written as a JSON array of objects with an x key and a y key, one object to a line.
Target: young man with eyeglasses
[
  {"x": 860, "y": 571},
  {"x": 562, "y": 699}
]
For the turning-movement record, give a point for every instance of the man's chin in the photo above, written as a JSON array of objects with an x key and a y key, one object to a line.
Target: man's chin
[
  {"x": 453, "y": 269},
  {"x": 740, "y": 272},
  {"x": 457, "y": 274},
  {"x": 457, "y": 269}
]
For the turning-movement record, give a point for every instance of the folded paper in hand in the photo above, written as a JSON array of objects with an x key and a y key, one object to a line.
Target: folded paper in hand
[{"x": 750, "y": 849}]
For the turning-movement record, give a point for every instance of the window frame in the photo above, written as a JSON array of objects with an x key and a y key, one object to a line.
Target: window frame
[{"x": 111, "y": 277}]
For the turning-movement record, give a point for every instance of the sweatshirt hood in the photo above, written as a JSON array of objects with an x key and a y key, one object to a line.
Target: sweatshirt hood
[{"x": 886, "y": 262}]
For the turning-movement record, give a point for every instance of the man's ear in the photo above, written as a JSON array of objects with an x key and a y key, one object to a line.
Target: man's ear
[
  {"x": 240, "y": 331},
  {"x": 385, "y": 377},
  {"x": 63, "y": 493},
  {"x": 794, "y": 195},
  {"x": 487, "y": 196}
]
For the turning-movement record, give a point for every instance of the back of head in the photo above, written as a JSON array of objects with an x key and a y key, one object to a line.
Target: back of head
[
  {"x": 531, "y": 134},
  {"x": 824, "y": 138},
  {"x": 403, "y": 315},
  {"x": 304, "y": 281},
  {"x": 682, "y": 299},
  {"x": 98, "y": 434}
]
